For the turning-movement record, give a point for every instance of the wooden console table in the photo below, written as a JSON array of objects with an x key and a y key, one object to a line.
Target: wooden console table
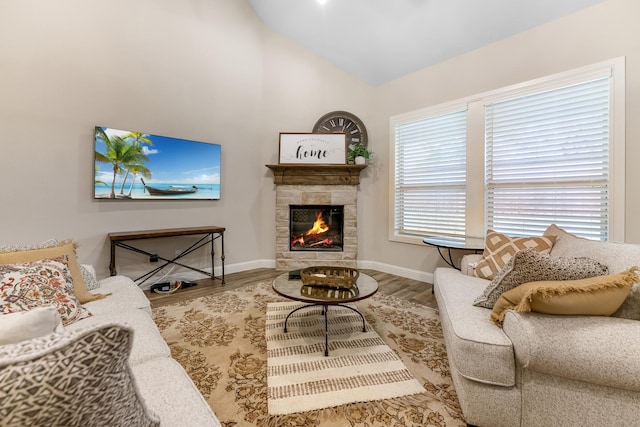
[{"x": 210, "y": 235}]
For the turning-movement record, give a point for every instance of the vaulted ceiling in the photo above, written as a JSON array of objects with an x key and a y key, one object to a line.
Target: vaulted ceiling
[{"x": 382, "y": 40}]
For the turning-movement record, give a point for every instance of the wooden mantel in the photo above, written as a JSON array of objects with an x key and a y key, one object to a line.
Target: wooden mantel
[{"x": 316, "y": 174}]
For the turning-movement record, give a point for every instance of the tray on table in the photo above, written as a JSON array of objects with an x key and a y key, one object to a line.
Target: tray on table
[
  {"x": 330, "y": 277},
  {"x": 327, "y": 293}
]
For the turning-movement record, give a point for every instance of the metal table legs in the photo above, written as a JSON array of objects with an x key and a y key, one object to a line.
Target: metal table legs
[{"x": 325, "y": 309}]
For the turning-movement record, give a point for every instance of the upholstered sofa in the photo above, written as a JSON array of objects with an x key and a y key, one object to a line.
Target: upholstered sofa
[
  {"x": 108, "y": 364},
  {"x": 540, "y": 369}
]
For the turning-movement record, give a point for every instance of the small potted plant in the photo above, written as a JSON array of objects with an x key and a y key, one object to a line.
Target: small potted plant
[{"x": 358, "y": 154}]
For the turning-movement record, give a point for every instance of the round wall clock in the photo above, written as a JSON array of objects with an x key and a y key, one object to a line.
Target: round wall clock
[{"x": 342, "y": 121}]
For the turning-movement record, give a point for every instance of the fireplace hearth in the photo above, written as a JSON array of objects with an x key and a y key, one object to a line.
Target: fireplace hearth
[{"x": 311, "y": 187}]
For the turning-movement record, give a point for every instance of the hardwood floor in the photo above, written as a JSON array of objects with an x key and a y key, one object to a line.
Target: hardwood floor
[{"x": 408, "y": 289}]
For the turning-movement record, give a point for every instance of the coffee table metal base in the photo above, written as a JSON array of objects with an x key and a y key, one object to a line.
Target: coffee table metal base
[{"x": 325, "y": 309}]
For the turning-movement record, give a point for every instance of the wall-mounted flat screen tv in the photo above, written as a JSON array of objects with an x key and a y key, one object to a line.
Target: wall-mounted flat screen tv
[{"x": 134, "y": 166}]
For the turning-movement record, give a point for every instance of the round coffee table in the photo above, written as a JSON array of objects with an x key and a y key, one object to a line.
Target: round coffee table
[{"x": 290, "y": 286}]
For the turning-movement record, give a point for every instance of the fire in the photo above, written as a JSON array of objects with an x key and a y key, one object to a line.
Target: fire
[
  {"x": 319, "y": 226},
  {"x": 317, "y": 231},
  {"x": 326, "y": 241}
]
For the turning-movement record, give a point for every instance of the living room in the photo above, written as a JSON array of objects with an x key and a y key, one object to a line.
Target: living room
[{"x": 212, "y": 71}]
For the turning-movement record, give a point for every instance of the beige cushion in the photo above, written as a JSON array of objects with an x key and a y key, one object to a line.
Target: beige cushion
[
  {"x": 73, "y": 379},
  {"x": 66, "y": 248},
  {"x": 175, "y": 389},
  {"x": 589, "y": 349},
  {"x": 530, "y": 265},
  {"x": 45, "y": 282},
  {"x": 595, "y": 296},
  {"x": 478, "y": 350},
  {"x": 500, "y": 248},
  {"x": 25, "y": 325},
  {"x": 147, "y": 342},
  {"x": 468, "y": 264},
  {"x": 125, "y": 295},
  {"x": 555, "y": 230},
  {"x": 630, "y": 309},
  {"x": 617, "y": 256}
]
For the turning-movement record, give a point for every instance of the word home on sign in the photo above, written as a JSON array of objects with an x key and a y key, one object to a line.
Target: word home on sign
[{"x": 310, "y": 148}]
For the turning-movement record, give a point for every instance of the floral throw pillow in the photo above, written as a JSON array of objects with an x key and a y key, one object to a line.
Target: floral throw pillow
[
  {"x": 66, "y": 247},
  {"x": 40, "y": 283}
]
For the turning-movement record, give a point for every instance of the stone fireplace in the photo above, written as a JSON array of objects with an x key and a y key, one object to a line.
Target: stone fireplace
[{"x": 321, "y": 188}]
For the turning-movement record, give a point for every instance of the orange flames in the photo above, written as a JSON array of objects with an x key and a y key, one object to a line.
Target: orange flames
[
  {"x": 319, "y": 226},
  {"x": 298, "y": 240}
]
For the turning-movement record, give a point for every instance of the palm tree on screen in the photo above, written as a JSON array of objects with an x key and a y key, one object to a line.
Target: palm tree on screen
[
  {"x": 137, "y": 139},
  {"x": 120, "y": 153},
  {"x": 137, "y": 170},
  {"x": 96, "y": 173}
]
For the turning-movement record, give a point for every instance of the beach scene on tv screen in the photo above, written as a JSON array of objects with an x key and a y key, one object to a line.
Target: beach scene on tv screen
[{"x": 134, "y": 165}]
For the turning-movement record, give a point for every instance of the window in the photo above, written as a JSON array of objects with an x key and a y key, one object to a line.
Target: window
[
  {"x": 430, "y": 175},
  {"x": 515, "y": 160}
]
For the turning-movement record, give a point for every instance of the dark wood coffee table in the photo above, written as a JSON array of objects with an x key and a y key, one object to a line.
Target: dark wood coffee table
[{"x": 291, "y": 287}]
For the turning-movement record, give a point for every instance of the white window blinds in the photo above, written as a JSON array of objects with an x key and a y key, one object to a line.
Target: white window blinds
[
  {"x": 547, "y": 161},
  {"x": 430, "y": 175}
]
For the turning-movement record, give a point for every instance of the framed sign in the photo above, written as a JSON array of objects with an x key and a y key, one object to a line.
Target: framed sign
[{"x": 313, "y": 148}]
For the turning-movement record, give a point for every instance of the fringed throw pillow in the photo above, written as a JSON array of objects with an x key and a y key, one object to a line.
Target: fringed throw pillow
[
  {"x": 530, "y": 265},
  {"x": 595, "y": 296}
]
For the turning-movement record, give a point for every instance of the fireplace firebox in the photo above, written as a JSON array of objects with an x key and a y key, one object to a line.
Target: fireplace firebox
[{"x": 316, "y": 228}]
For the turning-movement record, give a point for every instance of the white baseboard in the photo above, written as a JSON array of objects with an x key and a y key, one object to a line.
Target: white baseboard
[
  {"x": 189, "y": 275},
  {"x": 269, "y": 263},
  {"x": 372, "y": 265},
  {"x": 398, "y": 271}
]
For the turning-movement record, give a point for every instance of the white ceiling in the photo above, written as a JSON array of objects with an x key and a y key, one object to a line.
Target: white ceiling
[{"x": 382, "y": 40}]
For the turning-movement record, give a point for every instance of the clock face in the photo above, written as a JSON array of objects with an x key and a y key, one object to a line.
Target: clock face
[{"x": 342, "y": 121}]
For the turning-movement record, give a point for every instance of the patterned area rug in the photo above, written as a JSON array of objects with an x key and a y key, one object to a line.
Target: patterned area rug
[
  {"x": 360, "y": 367},
  {"x": 220, "y": 341}
]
